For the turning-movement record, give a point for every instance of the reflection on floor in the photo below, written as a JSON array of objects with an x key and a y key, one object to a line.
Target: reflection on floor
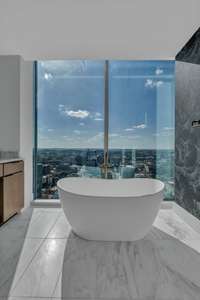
[{"x": 40, "y": 257}]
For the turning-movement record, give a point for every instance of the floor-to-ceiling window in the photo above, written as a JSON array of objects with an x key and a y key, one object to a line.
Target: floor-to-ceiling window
[
  {"x": 70, "y": 103},
  {"x": 141, "y": 120},
  {"x": 70, "y": 97}
]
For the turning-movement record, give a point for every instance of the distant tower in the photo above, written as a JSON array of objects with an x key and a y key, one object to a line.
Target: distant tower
[
  {"x": 133, "y": 157},
  {"x": 145, "y": 119},
  {"x": 123, "y": 157}
]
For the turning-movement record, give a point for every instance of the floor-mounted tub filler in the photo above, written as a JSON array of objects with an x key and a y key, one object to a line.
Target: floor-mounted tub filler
[{"x": 111, "y": 210}]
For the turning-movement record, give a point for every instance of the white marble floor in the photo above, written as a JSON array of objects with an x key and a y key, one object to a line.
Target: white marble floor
[{"x": 41, "y": 258}]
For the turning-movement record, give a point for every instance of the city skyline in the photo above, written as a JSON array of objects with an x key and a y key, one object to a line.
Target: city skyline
[
  {"x": 70, "y": 104},
  {"x": 54, "y": 164}
]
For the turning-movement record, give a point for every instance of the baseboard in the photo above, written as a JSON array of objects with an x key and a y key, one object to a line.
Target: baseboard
[
  {"x": 46, "y": 203},
  {"x": 56, "y": 203},
  {"x": 167, "y": 205},
  {"x": 191, "y": 220}
]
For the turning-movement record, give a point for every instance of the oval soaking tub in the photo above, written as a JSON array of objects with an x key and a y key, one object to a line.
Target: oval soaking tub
[{"x": 110, "y": 210}]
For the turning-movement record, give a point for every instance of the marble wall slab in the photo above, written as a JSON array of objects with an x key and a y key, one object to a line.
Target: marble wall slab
[
  {"x": 187, "y": 138},
  {"x": 191, "y": 51}
]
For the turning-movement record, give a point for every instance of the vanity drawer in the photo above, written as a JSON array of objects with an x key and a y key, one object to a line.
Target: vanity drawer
[
  {"x": 13, "y": 167},
  {"x": 13, "y": 195},
  {"x": 1, "y": 170}
]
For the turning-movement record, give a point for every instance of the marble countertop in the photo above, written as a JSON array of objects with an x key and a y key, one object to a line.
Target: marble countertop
[{"x": 7, "y": 160}]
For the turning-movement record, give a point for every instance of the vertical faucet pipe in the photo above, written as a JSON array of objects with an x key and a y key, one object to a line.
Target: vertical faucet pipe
[{"x": 106, "y": 112}]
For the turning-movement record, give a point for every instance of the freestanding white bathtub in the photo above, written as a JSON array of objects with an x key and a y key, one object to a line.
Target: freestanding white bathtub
[{"x": 111, "y": 210}]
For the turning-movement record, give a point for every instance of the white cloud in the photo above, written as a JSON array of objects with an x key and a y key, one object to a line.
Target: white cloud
[
  {"x": 48, "y": 76},
  {"x": 50, "y": 129},
  {"x": 67, "y": 138},
  {"x": 98, "y": 116},
  {"x": 133, "y": 137},
  {"x": 82, "y": 124},
  {"x": 98, "y": 119},
  {"x": 129, "y": 129},
  {"x": 159, "y": 71},
  {"x": 159, "y": 83},
  {"x": 140, "y": 126},
  {"x": 164, "y": 133},
  {"x": 156, "y": 134},
  {"x": 100, "y": 134},
  {"x": 77, "y": 132},
  {"x": 64, "y": 67},
  {"x": 96, "y": 138},
  {"x": 153, "y": 83},
  {"x": 149, "y": 83},
  {"x": 80, "y": 114},
  {"x": 113, "y": 134},
  {"x": 168, "y": 128}
]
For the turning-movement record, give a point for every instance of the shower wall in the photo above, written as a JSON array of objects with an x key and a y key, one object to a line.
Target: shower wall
[{"x": 187, "y": 138}]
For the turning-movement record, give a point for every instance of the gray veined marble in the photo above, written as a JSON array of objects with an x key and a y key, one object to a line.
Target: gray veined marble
[
  {"x": 165, "y": 265},
  {"x": 137, "y": 270},
  {"x": 187, "y": 143},
  {"x": 191, "y": 51}
]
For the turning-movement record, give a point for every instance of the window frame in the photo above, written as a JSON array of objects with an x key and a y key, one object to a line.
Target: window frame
[{"x": 106, "y": 104}]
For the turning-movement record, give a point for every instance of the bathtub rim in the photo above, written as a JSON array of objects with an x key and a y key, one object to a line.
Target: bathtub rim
[{"x": 160, "y": 189}]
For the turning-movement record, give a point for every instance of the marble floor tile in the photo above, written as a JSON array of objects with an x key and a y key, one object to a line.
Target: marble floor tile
[
  {"x": 48, "y": 210},
  {"x": 57, "y": 293},
  {"x": 29, "y": 250},
  {"x": 17, "y": 227},
  {"x": 156, "y": 233},
  {"x": 14, "y": 232},
  {"x": 170, "y": 223},
  {"x": 40, "y": 226},
  {"x": 134, "y": 270},
  {"x": 78, "y": 277},
  {"x": 5, "y": 289},
  {"x": 165, "y": 265},
  {"x": 27, "y": 298},
  {"x": 40, "y": 278},
  {"x": 9, "y": 256},
  {"x": 61, "y": 228},
  {"x": 180, "y": 258},
  {"x": 193, "y": 244}
]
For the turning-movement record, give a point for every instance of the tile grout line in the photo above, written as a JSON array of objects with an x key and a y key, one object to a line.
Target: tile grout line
[
  {"x": 57, "y": 218},
  {"x": 24, "y": 239},
  {"x": 26, "y": 268},
  {"x": 57, "y": 281},
  {"x": 42, "y": 242},
  {"x": 71, "y": 298},
  {"x": 192, "y": 229}
]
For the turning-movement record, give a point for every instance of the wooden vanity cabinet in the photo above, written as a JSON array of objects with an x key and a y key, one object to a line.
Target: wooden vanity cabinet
[
  {"x": 1, "y": 170},
  {"x": 11, "y": 190}
]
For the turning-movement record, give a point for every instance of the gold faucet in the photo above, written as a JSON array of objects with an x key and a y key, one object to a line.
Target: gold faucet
[{"x": 106, "y": 167}]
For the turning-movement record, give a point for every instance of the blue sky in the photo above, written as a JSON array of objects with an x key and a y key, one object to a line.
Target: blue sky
[{"x": 70, "y": 104}]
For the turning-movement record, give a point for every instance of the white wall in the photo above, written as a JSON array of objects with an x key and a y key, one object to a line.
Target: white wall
[
  {"x": 16, "y": 113},
  {"x": 9, "y": 103},
  {"x": 26, "y": 126},
  {"x": 64, "y": 29}
]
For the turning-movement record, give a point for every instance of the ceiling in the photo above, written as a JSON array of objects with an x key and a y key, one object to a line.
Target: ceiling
[{"x": 96, "y": 29}]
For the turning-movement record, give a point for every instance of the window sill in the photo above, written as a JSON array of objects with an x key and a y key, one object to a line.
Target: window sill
[{"x": 45, "y": 203}]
